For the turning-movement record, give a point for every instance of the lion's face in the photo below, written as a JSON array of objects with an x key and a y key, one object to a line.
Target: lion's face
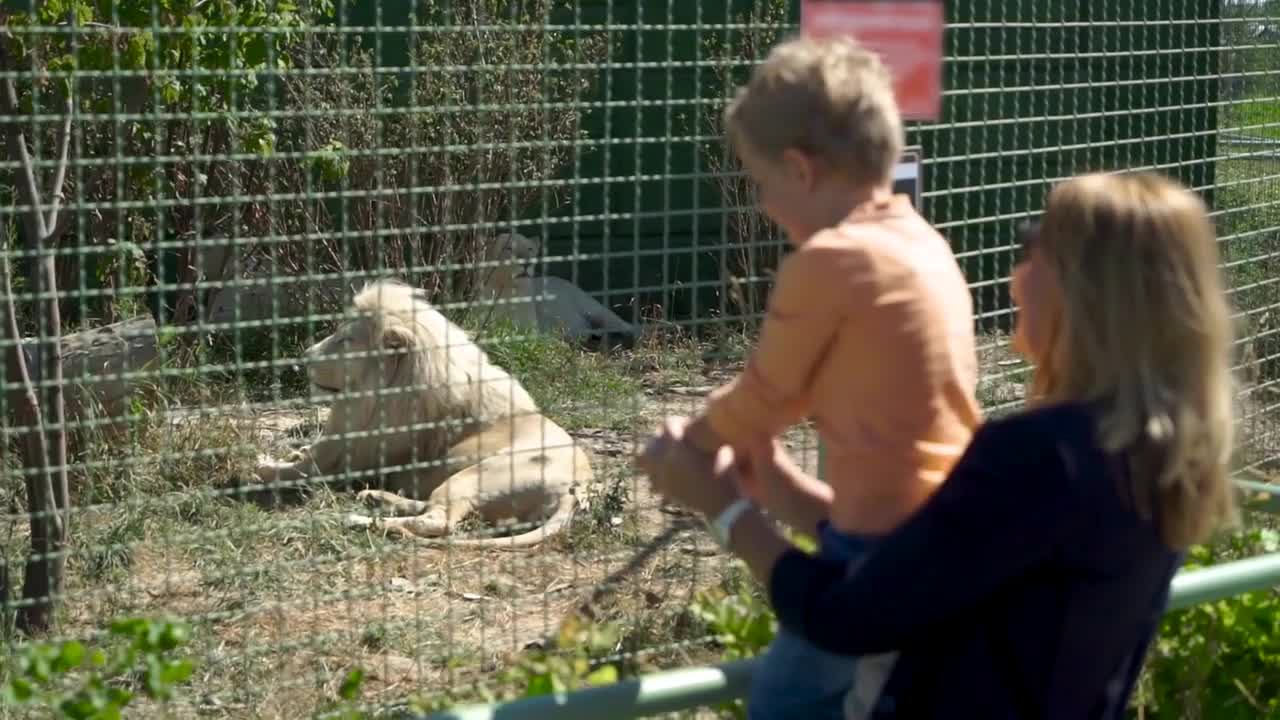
[
  {"x": 515, "y": 256},
  {"x": 360, "y": 354}
]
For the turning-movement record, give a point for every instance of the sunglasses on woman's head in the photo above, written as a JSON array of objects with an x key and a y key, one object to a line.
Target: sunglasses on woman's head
[{"x": 1028, "y": 235}]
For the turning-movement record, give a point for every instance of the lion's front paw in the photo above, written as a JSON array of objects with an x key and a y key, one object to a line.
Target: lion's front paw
[
  {"x": 268, "y": 470},
  {"x": 356, "y": 521},
  {"x": 390, "y": 504},
  {"x": 271, "y": 471}
]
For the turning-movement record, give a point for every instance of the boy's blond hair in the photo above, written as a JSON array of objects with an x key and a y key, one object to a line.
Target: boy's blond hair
[{"x": 831, "y": 98}]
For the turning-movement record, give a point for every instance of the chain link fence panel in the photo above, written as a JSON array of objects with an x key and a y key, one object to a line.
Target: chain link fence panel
[{"x": 202, "y": 203}]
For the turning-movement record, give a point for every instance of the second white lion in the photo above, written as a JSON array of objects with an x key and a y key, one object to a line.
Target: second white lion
[{"x": 545, "y": 302}]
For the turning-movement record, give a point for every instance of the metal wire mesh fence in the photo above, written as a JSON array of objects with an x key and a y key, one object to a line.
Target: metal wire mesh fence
[{"x": 195, "y": 193}]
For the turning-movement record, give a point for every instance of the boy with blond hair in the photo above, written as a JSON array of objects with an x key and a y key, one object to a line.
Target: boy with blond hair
[{"x": 868, "y": 331}]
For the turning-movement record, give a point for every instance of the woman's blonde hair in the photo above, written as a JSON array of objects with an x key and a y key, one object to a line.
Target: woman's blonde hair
[{"x": 1145, "y": 331}]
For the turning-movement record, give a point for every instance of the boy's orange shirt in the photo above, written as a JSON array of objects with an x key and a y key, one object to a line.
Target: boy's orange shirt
[{"x": 869, "y": 332}]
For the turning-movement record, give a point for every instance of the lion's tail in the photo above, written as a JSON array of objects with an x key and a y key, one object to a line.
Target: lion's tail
[{"x": 553, "y": 526}]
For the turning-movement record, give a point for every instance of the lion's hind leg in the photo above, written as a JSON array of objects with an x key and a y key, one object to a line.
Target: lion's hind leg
[
  {"x": 429, "y": 522},
  {"x": 432, "y": 523},
  {"x": 390, "y": 503}
]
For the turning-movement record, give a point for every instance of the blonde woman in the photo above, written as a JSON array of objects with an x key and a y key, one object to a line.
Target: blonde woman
[{"x": 1031, "y": 582}]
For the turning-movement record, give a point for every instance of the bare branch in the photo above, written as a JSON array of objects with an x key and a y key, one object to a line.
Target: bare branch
[
  {"x": 64, "y": 157},
  {"x": 14, "y": 332},
  {"x": 59, "y": 225},
  {"x": 33, "y": 225},
  {"x": 28, "y": 191}
]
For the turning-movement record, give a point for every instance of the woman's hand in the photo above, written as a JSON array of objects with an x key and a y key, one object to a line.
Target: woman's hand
[
  {"x": 768, "y": 475},
  {"x": 761, "y": 473},
  {"x": 700, "y": 481}
]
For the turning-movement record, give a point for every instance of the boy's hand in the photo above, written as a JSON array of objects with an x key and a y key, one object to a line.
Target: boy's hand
[
  {"x": 699, "y": 435},
  {"x": 768, "y": 475},
  {"x": 700, "y": 481}
]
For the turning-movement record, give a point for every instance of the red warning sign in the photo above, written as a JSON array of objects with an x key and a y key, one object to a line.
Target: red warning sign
[{"x": 907, "y": 34}]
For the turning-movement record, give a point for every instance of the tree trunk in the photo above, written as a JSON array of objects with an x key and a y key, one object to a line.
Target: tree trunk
[
  {"x": 45, "y": 453},
  {"x": 41, "y": 411}
]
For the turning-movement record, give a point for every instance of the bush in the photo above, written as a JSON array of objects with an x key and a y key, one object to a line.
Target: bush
[
  {"x": 212, "y": 185},
  {"x": 141, "y": 659},
  {"x": 144, "y": 141},
  {"x": 474, "y": 146},
  {"x": 80, "y": 683},
  {"x": 1220, "y": 660}
]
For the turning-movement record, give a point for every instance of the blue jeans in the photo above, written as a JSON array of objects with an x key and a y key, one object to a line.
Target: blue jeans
[{"x": 796, "y": 680}]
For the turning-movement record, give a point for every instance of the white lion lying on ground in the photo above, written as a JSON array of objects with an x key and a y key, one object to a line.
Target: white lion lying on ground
[
  {"x": 475, "y": 436},
  {"x": 546, "y": 303}
]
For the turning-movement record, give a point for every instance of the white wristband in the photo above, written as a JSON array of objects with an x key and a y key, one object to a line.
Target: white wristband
[{"x": 722, "y": 525}]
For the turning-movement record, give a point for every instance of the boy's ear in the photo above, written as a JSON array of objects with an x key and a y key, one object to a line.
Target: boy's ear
[{"x": 801, "y": 167}]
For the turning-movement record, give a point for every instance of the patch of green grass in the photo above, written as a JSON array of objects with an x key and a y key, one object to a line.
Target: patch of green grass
[
  {"x": 1247, "y": 202},
  {"x": 575, "y": 388},
  {"x": 610, "y": 518},
  {"x": 158, "y": 450},
  {"x": 279, "y": 347},
  {"x": 405, "y": 638},
  {"x": 1260, "y": 118},
  {"x": 108, "y": 550}
]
